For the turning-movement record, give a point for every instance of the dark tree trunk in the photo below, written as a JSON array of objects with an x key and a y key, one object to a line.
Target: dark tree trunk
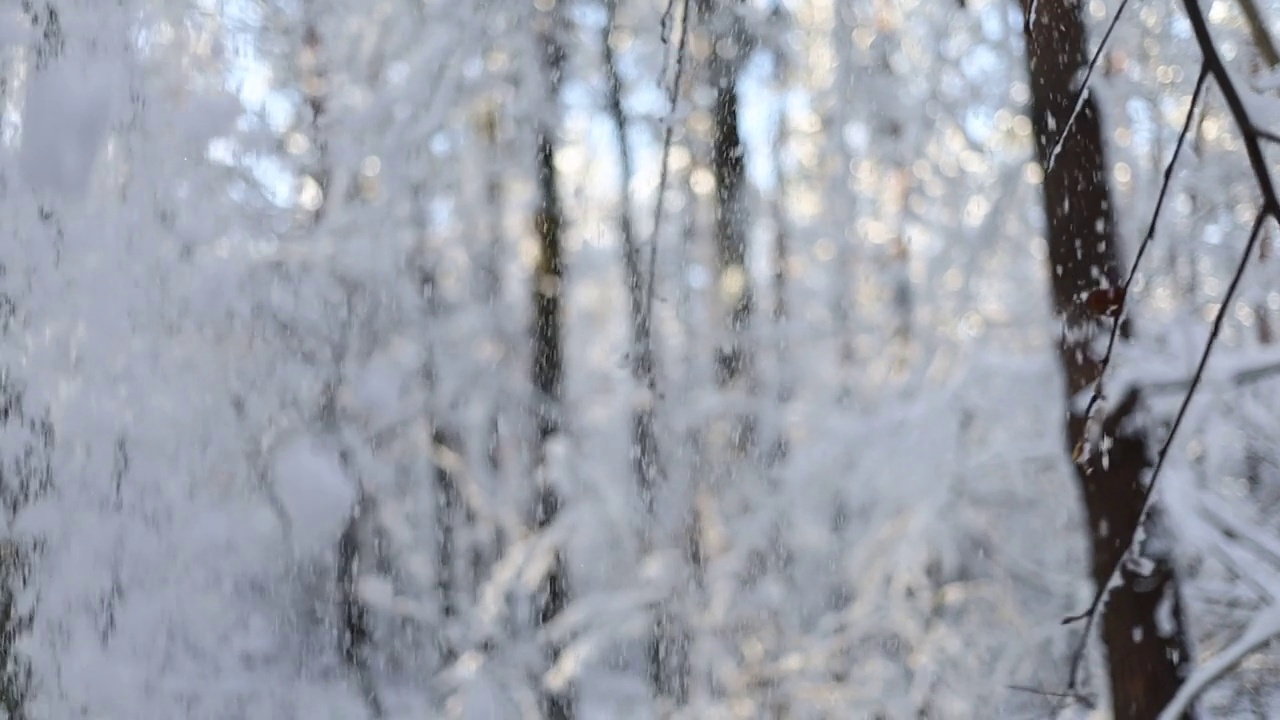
[
  {"x": 667, "y": 666},
  {"x": 548, "y": 351},
  {"x": 355, "y": 641},
  {"x": 1146, "y": 665},
  {"x": 644, "y": 448},
  {"x": 731, "y": 46},
  {"x": 728, "y": 163}
]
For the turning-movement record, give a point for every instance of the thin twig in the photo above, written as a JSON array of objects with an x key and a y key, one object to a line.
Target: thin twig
[
  {"x": 1196, "y": 378},
  {"x": 1240, "y": 378},
  {"x": 1252, "y": 140},
  {"x": 1249, "y": 131},
  {"x": 1146, "y": 240},
  {"x": 674, "y": 100},
  {"x": 1085, "y": 700},
  {"x": 1091, "y": 614},
  {"x": 1267, "y": 135},
  {"x": 1083, "y": 92}
]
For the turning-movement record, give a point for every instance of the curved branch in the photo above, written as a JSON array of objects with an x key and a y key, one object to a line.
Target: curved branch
[{"x": 1263, "y": 628}]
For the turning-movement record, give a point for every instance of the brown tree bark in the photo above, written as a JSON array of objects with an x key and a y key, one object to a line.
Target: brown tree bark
[{"x": 1146, "y": 662}]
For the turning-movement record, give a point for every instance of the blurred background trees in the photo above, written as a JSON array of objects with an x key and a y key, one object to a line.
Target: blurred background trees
[{"x": 629, "y": 358}]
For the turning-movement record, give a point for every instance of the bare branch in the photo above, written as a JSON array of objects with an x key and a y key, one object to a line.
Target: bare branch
[
  {"x": 1146, "y": 240},
  {"x": 1196, "y": 378},
  {"x": 665, "y": 23},
  {"x": 1215, "y": 66},
  {"x": 674, "y": 100},
  {"x": 1267, "y": 135},
  {"x": 1077, "y": 697},
  {"x": 1083, "y": 92},
  {"x": 1249, "y": 375},
  {"x": 643, "y": 364}
]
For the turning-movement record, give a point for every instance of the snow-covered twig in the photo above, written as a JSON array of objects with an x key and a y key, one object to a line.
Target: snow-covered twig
[
  {"x": 1221, "y": 516},
  {"x": 1249, "y": 374},
  {"x": 1263, "y": 628},
  {"x": 1215, "y": 66}
]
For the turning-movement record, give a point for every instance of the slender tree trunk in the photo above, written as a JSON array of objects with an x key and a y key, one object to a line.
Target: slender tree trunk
[
  {"x": 547, "y": 331},
  {"x": 728, "y": 165},
  {"x": 490, "y": 268},
  {"x": 355, "y": 547},
  {"x": 484, "y": 547},
  {"x": 644, "y": 448},
  {"x": 843, "y": 203},
  {"x": 784, "y": 382},
  {"x": 353, "y": 550},
  {"x": 449, "y": 504},
  {"x": 667, "y": 670},
  {"x": 1146, "y": 659},
  {"x": 26, "y": 471},
  {"x": 315, "y": 89},
  {"x": 781, "y": 251}
]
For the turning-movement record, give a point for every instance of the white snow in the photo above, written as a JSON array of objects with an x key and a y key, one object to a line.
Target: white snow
[
  {"x": 915, "y": 547},
  {"x": 66, "y": 115},
  {"x": 315, "y": 493}
]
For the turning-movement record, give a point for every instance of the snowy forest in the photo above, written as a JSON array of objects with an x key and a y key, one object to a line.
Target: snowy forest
[{"x": 593, "y": 359}]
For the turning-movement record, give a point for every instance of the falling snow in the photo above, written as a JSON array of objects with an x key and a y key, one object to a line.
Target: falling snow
[{"x": 638, "y": 359}]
